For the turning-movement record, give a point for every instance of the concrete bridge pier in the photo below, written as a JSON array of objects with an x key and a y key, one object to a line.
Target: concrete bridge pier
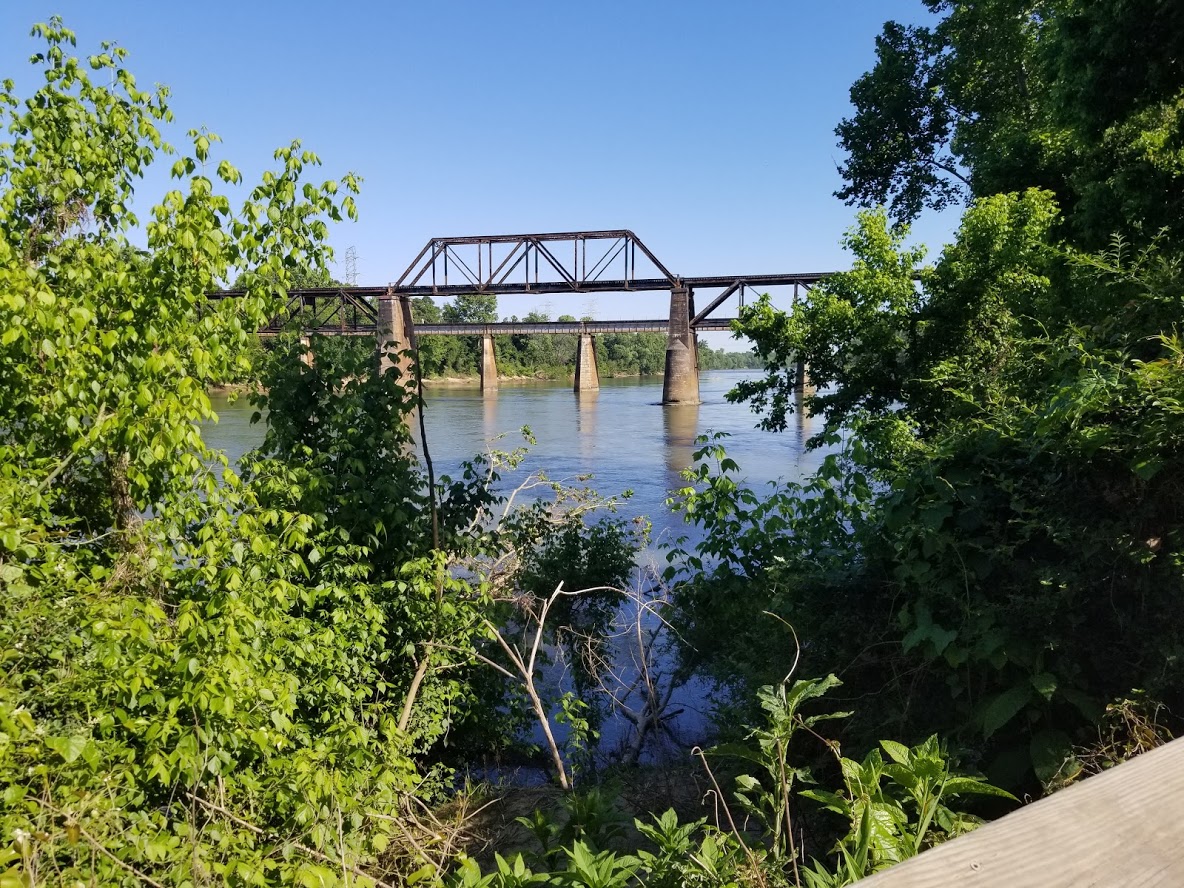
[
  {"x": 803, "y": 384},
  {"x": 306, "y": 355},
  {"x": 488, "y": 364},
  {"x": 681, "y": 382},
  {"x": 396, "y": 336},
  {"x": 587, "y": 375}
]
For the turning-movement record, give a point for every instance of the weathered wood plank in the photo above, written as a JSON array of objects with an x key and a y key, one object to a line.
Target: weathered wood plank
[{"x": 1122, "y": 827}]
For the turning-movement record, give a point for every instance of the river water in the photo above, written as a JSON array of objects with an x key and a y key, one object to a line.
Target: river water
[{"x": 621, "y": 436}]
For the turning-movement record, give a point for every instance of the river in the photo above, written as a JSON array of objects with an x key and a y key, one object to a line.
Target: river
[{"x": 621, "y": 436}]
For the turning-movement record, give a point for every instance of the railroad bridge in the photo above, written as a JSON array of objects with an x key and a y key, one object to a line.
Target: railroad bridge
[{"x": 559, "y": 263}]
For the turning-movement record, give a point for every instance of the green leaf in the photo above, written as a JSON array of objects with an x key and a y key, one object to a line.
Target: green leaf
[
  {"x": 934, "y": 634},
  {"x": 974, "y": 786},
  {"x": 69, "y": 748},
  {"x": 1004, "y": 708},
  {"x": 426, "y": 871},
  {"x": 1088, "y": 706},
  {"x": 1147, "y": 468},
  {"x": 311, "y": 875},
  {"x": 897, "y": 751},
  {"x": 1045, "y": 684},
  {"x": 831, "y": 800},
  {"x": 934, "y": 516}
]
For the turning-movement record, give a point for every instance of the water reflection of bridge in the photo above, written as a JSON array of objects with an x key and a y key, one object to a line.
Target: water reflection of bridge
[{"x": 578, "y": 262}]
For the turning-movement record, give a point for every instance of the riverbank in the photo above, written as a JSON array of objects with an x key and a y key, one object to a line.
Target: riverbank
[
  {"x": 475, "y": 380},
  {"x": 225, "y": 389}
]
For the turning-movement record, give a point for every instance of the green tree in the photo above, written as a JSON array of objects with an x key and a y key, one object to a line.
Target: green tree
[
  {"x": 899, "y": 141},
  {"x": 1008, "y": 413},
  {"x": 721, "y": 359},
  {"x": 213, "y": 676},
  {"x": 1006, "y": 95},
  {"x": 169, "y": 670},
  {"x": 1009, "y": 419},
  {"x": 471, "y": 308},
  {"x": 439, "y": 355},
  {"x": 425, "y": 311},
  {"x": 297, "y": 279},
  {"x": 641, "y": 353}
]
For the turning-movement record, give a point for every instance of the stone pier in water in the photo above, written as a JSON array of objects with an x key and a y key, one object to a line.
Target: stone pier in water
[
  {"x": 396, "y": 344},
  {"x": 681, "y": 382},
  {"x": 587, "y": 376},
  {"x": 488, "y": 364}
]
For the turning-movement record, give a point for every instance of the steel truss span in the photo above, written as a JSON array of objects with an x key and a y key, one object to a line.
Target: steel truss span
[{"x": 546, "y": 264}]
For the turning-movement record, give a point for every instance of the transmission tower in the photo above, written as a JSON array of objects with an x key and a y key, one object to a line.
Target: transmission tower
[{"x": 351, "y": 267}]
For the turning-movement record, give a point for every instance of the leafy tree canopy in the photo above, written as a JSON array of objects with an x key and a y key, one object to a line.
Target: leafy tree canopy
[
  {"x": 212, "y": 676},
  {"x": 1006, "y": 95},
  {"x": 992, "y": 545},
  {"x": 471, "y": 308}
]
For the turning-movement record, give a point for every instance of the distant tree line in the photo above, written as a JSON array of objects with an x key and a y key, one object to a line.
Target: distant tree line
[
  {"x": 545, "y": 355},
  {"x": 623, "y": 354}
]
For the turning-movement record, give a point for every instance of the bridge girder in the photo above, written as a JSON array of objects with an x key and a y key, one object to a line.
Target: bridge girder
[{"x": 600, "y": 262}]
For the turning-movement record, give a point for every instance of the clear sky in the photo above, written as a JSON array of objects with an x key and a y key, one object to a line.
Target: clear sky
[{"x": 705, "y": 127}]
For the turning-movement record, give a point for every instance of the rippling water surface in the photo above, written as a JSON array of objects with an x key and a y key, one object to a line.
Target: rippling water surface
[{"x": 621, "y": 435}]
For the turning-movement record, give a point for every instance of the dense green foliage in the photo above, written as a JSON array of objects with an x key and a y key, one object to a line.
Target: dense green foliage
[
  {"x": 993, "y": 550},
  {"x": 212, "y": 677},
  {"x": 1079, "y": 97},
  {"x": 889, "y": 810}
]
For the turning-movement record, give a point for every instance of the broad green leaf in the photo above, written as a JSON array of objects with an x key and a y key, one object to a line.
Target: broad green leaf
[
  {"x": 1003, "y": 708},
  {"x": 898, "y": 751},
  {"x": 1148, "y": 468},
  {"x": 974, "y": 786},
  {"x": 69, "y": 748},
  {"x": 1045, "y": 684}
]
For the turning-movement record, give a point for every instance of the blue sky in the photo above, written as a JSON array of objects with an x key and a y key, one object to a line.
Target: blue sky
[{"x": 706, "y": 128}]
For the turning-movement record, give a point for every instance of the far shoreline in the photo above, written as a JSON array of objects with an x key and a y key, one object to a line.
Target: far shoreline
[{"x": 226, "y": 389}]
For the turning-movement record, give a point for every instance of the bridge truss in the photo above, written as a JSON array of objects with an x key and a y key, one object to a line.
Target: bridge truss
[{"x": 576, "y": 262}]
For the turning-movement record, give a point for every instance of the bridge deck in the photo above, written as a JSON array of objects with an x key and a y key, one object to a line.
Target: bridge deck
[
  {"x": 368, "y": 327},
  {"x": 506, "y": 288}
]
